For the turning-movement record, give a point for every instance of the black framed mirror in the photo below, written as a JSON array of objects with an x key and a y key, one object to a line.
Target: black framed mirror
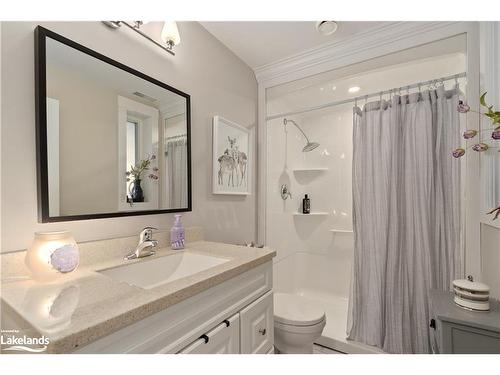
[{"x": 111, "y": 141}]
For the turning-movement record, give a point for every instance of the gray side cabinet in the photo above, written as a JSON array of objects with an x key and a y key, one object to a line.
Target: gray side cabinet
[{"x": 459, "y": 331}]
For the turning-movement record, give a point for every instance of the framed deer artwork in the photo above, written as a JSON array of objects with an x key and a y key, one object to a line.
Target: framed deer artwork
[{"x": 232, "y": 159}]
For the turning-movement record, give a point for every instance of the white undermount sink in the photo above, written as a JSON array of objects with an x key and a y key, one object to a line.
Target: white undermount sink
[{"x": 150, "y": 273}]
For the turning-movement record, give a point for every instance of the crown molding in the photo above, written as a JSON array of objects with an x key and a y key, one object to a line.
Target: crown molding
[{"x": 373, "y": 38}]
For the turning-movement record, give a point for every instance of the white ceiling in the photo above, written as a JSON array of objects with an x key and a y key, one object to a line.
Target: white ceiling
[
  {"x": 259, "y": 43},
  {"x": 434, "y": 51}
]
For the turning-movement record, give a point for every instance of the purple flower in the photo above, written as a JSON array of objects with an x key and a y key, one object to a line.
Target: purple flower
[
  {"x": 496, "y": 133},
  {"x": 127, "y": 173},
  {"x": 480, "y": 147},
  {"x": 462, "y": 107},
  {"x": 153, "y": 157},
  {"x": 155, "y": 169},
  {"x": 468, "y": 134},
  {"x": 153, "y": 176},
  {"x": 459, "y": 152}
]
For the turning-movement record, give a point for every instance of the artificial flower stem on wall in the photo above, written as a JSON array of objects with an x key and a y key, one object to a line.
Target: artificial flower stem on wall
[{"x": 482, "y": 146}]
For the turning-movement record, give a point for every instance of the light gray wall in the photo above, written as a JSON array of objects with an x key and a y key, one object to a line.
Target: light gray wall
[
  {"x": 218, "y": 82},
  {"x": 490, "y": 257},
  {"x": 88, "y": 143}
]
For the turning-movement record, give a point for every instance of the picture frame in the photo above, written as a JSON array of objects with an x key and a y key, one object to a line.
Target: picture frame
[{"x": 232, "y": 162}]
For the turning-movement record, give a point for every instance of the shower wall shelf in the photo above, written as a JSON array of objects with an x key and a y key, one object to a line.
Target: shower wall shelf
[
  {"x": 343, "y": 231},
  {"x": 317, "y": 213},
  {"x": 316, "y": 169}
]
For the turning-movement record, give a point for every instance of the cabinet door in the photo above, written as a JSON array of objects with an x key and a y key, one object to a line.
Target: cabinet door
[
  {"x": 223, "y": 339},
  {"x": 257, "y": 325},
  {"x": 462, "y": 339}
]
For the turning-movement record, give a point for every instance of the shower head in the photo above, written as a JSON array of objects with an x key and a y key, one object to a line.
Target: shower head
[{"x": 309, "y": 145}]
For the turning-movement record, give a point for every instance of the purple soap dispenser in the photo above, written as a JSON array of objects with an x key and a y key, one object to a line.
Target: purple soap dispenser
[{"x": 177, "y": 234}]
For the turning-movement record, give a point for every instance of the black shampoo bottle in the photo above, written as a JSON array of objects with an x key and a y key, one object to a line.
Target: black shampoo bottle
[{"x": 306, "y": 205}]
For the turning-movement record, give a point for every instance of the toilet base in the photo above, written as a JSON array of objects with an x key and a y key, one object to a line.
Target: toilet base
[
  {"x": 308, "y": 349},
  {"x": 296, "y": 340}
]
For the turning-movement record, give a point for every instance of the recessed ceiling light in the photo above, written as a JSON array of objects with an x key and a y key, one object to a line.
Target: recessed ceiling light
[
  {"x": 334, "y": 88},
  {"x": 321, "y": 88},
  {"x": 326, "y": 27},
  {"x": 354, "y": 89}
]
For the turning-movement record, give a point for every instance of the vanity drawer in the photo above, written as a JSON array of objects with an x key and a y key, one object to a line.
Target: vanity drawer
[
  {"x": 223, "y": 339},
  {"x": 257, "y": 326}
]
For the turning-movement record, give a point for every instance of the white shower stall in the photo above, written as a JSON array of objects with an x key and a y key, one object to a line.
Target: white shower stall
[{"x": 315, "y": 251}]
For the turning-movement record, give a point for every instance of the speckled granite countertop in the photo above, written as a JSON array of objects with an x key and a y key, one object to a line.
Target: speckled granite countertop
[{"x": 86, "y": 305}]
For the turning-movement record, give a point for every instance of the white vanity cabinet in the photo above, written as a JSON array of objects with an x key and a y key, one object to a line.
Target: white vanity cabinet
[
  {"x": 257, "y": 326},
  {"x": 223, "y": 339},
  {"x": 235, "y": 316},
  {"x": 250, "y": 331}
]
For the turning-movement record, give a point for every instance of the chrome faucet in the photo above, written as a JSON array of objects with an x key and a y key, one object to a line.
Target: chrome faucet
[
  {"x": 285, "y": 192},
  {"x": 146, "y": 245}
]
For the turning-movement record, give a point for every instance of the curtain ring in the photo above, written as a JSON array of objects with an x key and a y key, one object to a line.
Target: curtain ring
[
  {"x": 407, "y": 90},
  {"x": 456, "y": 80}
]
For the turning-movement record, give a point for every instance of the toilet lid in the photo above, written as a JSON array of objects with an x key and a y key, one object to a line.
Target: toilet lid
[{"x": 295, "y": 310}]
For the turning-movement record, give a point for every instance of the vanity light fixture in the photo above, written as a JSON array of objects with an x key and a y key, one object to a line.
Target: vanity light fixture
[{"x": 169, "y": 34}]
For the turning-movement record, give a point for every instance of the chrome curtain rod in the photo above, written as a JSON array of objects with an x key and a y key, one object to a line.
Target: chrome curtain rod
[
  {"x": 372, "y": 95},
  {"x": 177, "y": 136}
]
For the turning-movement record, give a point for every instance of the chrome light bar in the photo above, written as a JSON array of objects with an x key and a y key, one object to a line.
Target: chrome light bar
[{"x": 136, "y": 27}]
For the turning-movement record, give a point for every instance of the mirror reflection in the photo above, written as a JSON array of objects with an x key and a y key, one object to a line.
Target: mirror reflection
[{"x": 115, "y": 142}]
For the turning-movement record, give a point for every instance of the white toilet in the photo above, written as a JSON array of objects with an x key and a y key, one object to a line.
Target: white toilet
[{"x": 297, "y": 324}]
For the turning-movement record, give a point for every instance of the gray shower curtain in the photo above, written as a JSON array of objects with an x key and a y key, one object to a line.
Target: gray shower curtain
[
  {"x": 177, "y": 173},
  {"x": 406, "y": 193}
]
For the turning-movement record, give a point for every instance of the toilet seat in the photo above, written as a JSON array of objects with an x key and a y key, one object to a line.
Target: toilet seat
[
  {"x": 295, "y": 311},
  {"x": 304, "y": 330}
]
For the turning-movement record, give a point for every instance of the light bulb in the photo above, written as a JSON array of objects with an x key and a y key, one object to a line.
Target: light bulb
[{"x": 170, "y": 33}]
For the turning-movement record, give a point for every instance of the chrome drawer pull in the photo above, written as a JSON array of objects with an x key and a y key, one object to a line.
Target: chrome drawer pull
[{"x": 262, "y": 331}]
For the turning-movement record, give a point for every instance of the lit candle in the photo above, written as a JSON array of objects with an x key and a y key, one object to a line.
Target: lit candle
[{"x": 52, "y": 253}]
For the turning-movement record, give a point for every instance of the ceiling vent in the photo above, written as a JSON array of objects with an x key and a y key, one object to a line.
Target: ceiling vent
[
  {"x": 144, "y": 96},
  {"x": 326, "y": 27}
]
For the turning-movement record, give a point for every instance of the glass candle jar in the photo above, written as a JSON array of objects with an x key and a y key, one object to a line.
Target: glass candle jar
[{"x": 52, "y": 253}]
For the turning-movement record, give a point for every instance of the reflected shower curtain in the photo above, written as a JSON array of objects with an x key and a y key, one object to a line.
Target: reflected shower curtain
[
  {"x": 406, "y": 193},
  {"x": 177, "y": 173}
]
